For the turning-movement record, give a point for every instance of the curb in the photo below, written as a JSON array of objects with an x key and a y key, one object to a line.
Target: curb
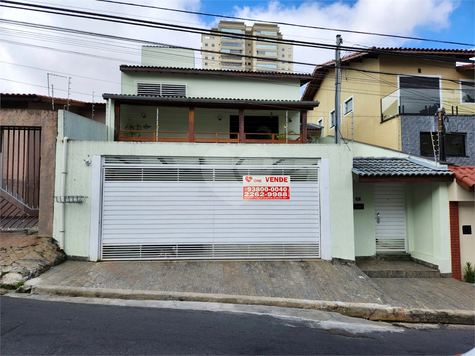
[{"x": 358, "y": 310}]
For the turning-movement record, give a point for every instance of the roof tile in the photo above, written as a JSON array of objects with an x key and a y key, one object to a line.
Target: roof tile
[
  {"x": 385, "y": 166},
  {"x": 464, "y": 174}
]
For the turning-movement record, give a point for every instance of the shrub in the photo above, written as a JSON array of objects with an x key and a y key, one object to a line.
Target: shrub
[{"x": 468, "y": 273}]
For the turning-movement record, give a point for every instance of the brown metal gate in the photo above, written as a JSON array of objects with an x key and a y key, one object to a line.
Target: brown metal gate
[{"x": 20, "y": 176}]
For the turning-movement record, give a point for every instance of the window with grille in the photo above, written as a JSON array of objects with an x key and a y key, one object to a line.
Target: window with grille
[{"x": 161, "y": 89}]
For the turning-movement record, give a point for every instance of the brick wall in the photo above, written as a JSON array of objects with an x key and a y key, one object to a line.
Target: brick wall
[{"x": 455, "y": 240}]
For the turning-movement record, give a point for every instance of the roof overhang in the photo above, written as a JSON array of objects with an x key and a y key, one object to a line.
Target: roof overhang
[
  {"x": 401, "y": 178},
  {"x": 387, "y": 169},
  {"x": 464, "y": 176},
  {"x": 303, "y": 78},
  {"x": 321, "y": 71},
  {"x": 212, "y": 103}
]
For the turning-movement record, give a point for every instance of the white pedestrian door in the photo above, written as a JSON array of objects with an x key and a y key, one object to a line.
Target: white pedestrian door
[
  {"x": 193, "y": 208},
  {"x": 390, "y": 217}
]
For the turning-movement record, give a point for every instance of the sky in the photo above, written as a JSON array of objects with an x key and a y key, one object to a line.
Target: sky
[{"x": 38, "y": 61}]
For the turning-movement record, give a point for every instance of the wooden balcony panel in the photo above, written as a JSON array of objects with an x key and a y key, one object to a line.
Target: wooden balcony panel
[{"x": 267, "y": 138}]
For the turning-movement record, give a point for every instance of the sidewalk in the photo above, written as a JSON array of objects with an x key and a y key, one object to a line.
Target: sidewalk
[
  {"x": 307, "y": 284},
  {"x": 314, "y": 284}
]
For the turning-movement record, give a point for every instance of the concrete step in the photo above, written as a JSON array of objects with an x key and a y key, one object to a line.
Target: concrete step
[{"x": 396, "y": 269}]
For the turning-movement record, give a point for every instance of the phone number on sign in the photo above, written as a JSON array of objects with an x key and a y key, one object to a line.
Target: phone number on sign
[{"x": 266, "y": 192}]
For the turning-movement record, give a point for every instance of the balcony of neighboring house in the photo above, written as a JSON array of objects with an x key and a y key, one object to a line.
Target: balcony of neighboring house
[
  {"x": 423, "y": 96},
  {"x": 167, "y": 119}
]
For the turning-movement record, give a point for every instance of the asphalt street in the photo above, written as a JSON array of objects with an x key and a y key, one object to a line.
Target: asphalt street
[{"x": 45, "y": 327}]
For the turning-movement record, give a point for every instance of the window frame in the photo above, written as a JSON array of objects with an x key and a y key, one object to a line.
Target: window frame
[
  {"x": 461, "y": 91},
  {"x": 417, "y": 76},
  {"x": 331, "y": 121},
  {"x": 453, "y": 135},
  {"x": 351, "y": 98},
  {"x": 320, "y": 122}
]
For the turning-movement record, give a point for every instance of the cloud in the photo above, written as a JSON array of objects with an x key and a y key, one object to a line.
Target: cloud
[
  {"x": 96, "y": 66},
  {"x": 401, "y": 17}
]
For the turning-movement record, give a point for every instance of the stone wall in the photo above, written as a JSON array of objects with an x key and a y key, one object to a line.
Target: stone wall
[{"x": 412, "y": 126}]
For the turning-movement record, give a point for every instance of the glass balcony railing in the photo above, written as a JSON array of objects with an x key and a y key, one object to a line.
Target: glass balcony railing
[{"x": 424, "y": 102}]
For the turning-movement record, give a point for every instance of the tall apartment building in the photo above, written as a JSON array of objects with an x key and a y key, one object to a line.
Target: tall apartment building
[{"x": 228, "y": 52}]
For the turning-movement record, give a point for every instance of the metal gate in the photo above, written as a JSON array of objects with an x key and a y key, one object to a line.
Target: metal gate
[
  {"x": 390, "y": 217},
  {"x": 193, "y": 208},
  {"x": 19, "y": 177}
]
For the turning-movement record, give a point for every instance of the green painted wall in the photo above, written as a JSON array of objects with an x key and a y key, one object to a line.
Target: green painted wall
[
  {"x": 428, "y": 225},
  {"x": 79, "y": 182},
  {"x": 365, "y": 244},
  {"x": 219, "y": 86}
]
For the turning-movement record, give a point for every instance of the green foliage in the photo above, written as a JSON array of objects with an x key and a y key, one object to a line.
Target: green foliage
[
  {"x": 468, "y": 273},
  {"x": 12, "y": 286}
]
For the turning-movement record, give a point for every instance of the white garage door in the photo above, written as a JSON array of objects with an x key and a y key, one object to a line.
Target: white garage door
[{"x": 193, "y": 208}]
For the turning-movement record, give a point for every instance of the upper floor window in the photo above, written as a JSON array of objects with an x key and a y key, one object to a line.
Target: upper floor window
[
  {"x": 234, "y": 51},
  {"x": 162, "y": 89},
  {"x": 348, "y": 106},
  {"x": 267, "y": 53},
  {"x": 271, "y": 66},
  {"x": 332, "y": 118},
  {"x": 231, "y": 30},
  {"x": 419, "y": 95},
  {"x": 267, "y": 33},
  {"x": 266, "y": 46},
  {"x": 454, "y": 144},
  {"x": 231, "y": 44},
  {"x": 467, "y": 92}
]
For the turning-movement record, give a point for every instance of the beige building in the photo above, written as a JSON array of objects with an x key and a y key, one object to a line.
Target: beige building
[
  {"x": 389, "y": 97},
  {"x": 223, "y": 48}
]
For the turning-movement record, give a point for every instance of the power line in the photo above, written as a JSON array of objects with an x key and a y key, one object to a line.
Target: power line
[
  {"x": 124, "y": 20},
  {"x": 288, "y": 23}
]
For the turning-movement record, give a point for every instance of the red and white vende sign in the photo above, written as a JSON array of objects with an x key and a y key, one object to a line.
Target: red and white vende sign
[{"x": 266, "y": 187}]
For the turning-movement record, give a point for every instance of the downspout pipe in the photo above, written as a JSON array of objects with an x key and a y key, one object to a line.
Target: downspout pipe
[{"x": 63, "y": 193}]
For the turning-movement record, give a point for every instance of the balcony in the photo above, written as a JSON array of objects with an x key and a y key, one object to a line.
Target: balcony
[
  {"x": 208, "y": 137},
  {"x": 423, "y": 102}
]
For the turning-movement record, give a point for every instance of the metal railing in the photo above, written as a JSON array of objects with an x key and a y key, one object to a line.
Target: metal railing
[{"x": 424, "y": 102}]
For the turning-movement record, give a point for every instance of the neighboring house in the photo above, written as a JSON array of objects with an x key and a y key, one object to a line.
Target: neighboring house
[
  {"x": 462, "y": 218},
  {"x": 401, "y": 206},
  {"x": 28, "y": 141},
  {"x": 389, "y": 97},
  {"x": 224, "y": 48}
]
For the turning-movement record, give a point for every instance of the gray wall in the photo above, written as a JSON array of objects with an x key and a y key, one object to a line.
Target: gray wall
[
  {"x": 79, "y": 128},
  {"x": 411, "y": 126}
]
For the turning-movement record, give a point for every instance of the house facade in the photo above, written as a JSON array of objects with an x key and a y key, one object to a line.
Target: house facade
[
  {"x": 462, "y": 218},
  {"x": 390, "y": 96},
  {"x": 401, "y": 206},
  {"x": 167, "y": 176}
]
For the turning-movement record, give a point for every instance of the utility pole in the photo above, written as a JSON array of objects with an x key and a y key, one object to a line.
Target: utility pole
[
  {"x": 339, "y": 41},
  {"x": 441, "y": 134}
]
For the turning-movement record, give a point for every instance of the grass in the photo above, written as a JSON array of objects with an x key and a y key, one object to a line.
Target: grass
[{"x": 12, "y": 286}]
